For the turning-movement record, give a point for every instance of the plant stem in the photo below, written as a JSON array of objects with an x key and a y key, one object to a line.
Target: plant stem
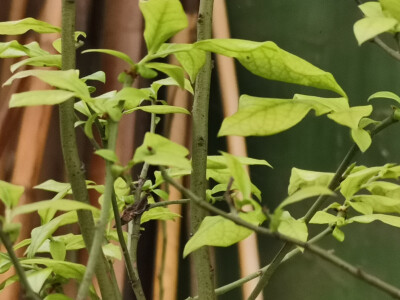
[
  {"x": 166, "y": 203},
  {"x": 198, "y": 183},
  {"x": 324, "y": 254},
  {"x": 98, "y": 238},
  {"x": 70, "y": 152},
  {"x": 334, "y": 183},
  {"x": 29, "y": 293}
]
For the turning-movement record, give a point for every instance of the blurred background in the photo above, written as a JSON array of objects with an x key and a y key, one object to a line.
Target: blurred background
[{"x": 320, "y": 32}]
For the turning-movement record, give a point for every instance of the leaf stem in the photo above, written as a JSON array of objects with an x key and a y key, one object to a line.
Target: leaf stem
[
  {"x": 29, "y": 293},
  {"x": 70, "y": 153}
]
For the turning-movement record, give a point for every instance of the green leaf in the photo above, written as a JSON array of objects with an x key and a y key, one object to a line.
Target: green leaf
[
  {"x": 239, "y": 174},
  {"x": 39, "y": 61},
  {"x": 53, "y": 186},
  {"x": 300, "y": 179},
  {"x": 132, "y": 97},
  {"x": 88, "y": 128},
  {"x": 41, "y": 233},
  {"x": 361, "y": 207},
  {"x": 10, "y": 193},
  {"x": 220, "y": 162},
  {"x": 383, "y": 94},
  {"x": 306, "y": 193},
  {"x": 97, "y": 76},
  {"x": 351, "y": 117},
  {"x": 216, "y": 231},
  {"x": 158, "y": 213},
  {"x": 57, "y": 297},
  {"x": 67, "y": 80},
  {"x": 62, "y": 268},
  {"x": 353, "y": 183},
  {"x": 371, "y": 9},
  {"x": 392, "y": 7},
  {"x": 162, "y": 194},
  {"x": 156, "y": 85},
  {"x": 115, "y": 53},
  {"x": 338, "y": 234},
  {"x": 107, "y": 154},
  {"x": 163, "y": 19},
  {"x": 57, "y": 250},
  {"x": 293, "y": 228},
  {"x": 267, "y": 60},
  {"x": 158, "y": 150},
  {"x": 35, "y": 98},
  {"x": 369, "y": 27},
  {"x": 24, "y": 25},
  {"x": 172, "y": 71},
  {"x": 112, "y": 251},
  {"x": 379, "y": 204},
  {"x": 5, "y": 262},
  {"x": 61, "y": 204},
  {"x": 36, "y": 279},
  {"x": 387, "y": 219},
  {"x": 12, "y": 49},
  {"x": 161, "y": 109},
  {"x": 322, "y": 217},
  {"x": 192, "y": 61},
  {"x": 362, "y": 138},
  {"x": 384, "y": 188}
]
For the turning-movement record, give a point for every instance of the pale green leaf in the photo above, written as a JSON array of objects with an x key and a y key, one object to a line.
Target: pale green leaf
[
  {"x": 158, "y": 213},
  {"x": 369, "y": 27},
  {"x": 160, "y": 109},
  {"x": 384, "y": 188},
  {"x": 392, "y": 7},
  {"x": 192, "y": 61},
  {"x": 57, "y": 297},
  {"x": 57, "y": 250},
  {"x": 338, "y": 234},
  {"x": 132, "y": 97},
  {"x": 156, "y": 85},
  {"x": 361, "y": 207},
  {"x": 67, "y": 80},
  {"x": 351, "y": 117},
  {"x": 158, "y": 150},
  {"x": 39, "y": 61},
  {"x": 172, "y": 71},
  {"x": 300, "y": 179},
  {"x": 323, "y": 105},
  {"x": 107, "y": 154},
  {"x": 371, "y": 9},
  {"x": 24, "y": 25},
  {"x": 306, "y": 193},
  {"x": 219, "y": 161},
  {"x": 362, "y": 138},
  {"x": 216, "y": 231},
  {"x": 115, "y": 53},
  {"x": 62, "y": 268},
  {"x": 379, "y": 204},
  {"x": 53, "y": 186},
  {"x": 61, "y": 204},
  {"x": 353, "y": 183},
  {"x": 97, "y": 76},
  {"x": 42, "y": 233},
  {"x": 322, "y": 217},
  {"x": 35, "y": 98},
  {"x": 37, "y": 278},
  {"x": 293, "y": 228},
  {"x": 163, "y": 19},
  {"x": 12, "y": 49},
  {"x": 384, "y": 94},
  {"x": 387, "y": 219},
  {"x": 267, "y": 60},
  {"x": 88, "y": 128},
  {"x": 112, "y": 251},
  {"x": 240, "y": 176},
  {"x": 10, "y": 193}
]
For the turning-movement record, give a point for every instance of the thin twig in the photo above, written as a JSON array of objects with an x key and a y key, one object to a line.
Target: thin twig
[
  {"x": 29, "y": 293},
  {"x": 326, "y": 255},
  {"x": 166, "y": 203}
]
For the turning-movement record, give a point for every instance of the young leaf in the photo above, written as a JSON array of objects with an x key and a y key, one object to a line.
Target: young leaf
[
  {"x": 35, "y": 98},
  {"x": 132, "y": 97},
  {"x": 351, "y": 117},
  {"x": 361, "y": 207},
  {"x": 112, "y": 251},
  {"x": 369, "y": 27},
  {"x": 220, "y": 162},
  {"x": 192, "y": 61},
  {"x": 322, "y": 217},
  {"x": 53, "y": 186},
  {"x": 173, "y": 71},
  {"x": 216, "y": 231},
  {"x": 67, "y": 80},
  {"x": 267, "y": 60},
  {"x": 119, "y": 54},
  {"x": 387, "y": 219},
  {"x": 371, "y": 9},
  {"x": 338, "y": 234},
  {"x": 388, "y": 95},
  {"x": 107, "y": 154},
  {"x": 300, "y": 179},
  {"x": 57, "y": 250},
  {"x": 12, "y": 49},
  {"x": 62, "y": 268},
  {"x": 163, "y": 19},
  {"x": 10, "y": 193},
  {"x": 160, "y": 109},
  {"x": 158, "y": 213},
  {"x": 379, "y": 204},
  {"x": 362, "y": 138},
  {"x": 306, "y": 193},
  {"x": 37, "y": 278},
  {"x": 158, "y": 150},
  {"x": 352, "y": 184},
  {"x": 239, "y": 174},
  {"x": 293, "y": 228},
  {"x": 97, "y": 76},
  {"x": 22, "y": 26},
  {"x": 384, "y": 188},
  {"x": 392, "y": 7},
  {"x": 39, "y": 61},
  {"x": 57, "y": 297},
  {"x": 155, "y": 86}
]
